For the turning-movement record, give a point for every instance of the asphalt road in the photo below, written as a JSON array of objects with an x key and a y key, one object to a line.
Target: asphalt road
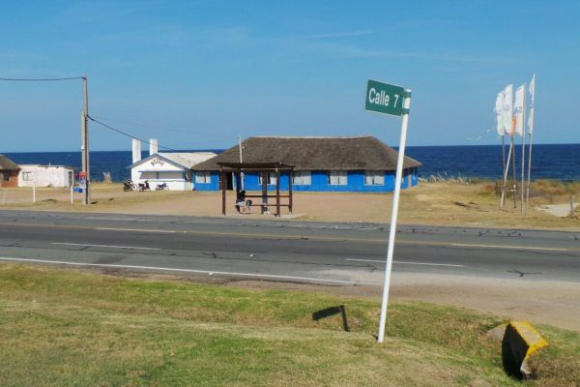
[{"x": 323, "y": 253}]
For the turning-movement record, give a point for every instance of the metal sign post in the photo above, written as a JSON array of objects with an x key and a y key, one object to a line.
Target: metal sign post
[{"x": 394, "y": 100}]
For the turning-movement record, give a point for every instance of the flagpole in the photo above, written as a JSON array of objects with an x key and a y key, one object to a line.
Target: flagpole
[
  {"x": 514, "y": 172},
  {"x": 503, "y": 168},
  {"x": 529, "y": 173},
  {"x": 505, "y": 175},
  {"x": 531, "y": 132},
  {"x": 523, "y": 148}
]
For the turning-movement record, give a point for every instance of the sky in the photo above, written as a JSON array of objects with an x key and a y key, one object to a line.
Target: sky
[{"x": 202, "y": 74}]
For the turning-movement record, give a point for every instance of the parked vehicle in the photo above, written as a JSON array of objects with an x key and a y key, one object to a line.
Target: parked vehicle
[
  {"x": 144, "y": 186},
  {"x": 128, "y": 185}
]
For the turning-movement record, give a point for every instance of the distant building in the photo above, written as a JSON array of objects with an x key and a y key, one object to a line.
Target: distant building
[
  {"x": 335, "y": 164},
  {"x": 35, "y": 175},
  {"x": 8, "y": 172},
  {"x": 172, "y": 169}
]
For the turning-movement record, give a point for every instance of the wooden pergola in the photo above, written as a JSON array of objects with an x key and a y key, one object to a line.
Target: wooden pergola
[{"x": 264, "y": 169}]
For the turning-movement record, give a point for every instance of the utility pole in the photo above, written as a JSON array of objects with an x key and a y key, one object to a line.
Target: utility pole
[
  {"x": 86, "y": 168},
  {"x": 241, "y": 161}
]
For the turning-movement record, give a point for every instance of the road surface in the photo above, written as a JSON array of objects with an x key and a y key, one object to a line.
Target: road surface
[{"x": 323, "y": 253}]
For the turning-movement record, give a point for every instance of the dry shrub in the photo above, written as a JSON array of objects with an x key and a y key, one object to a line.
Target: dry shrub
[{"x": 554, "y": 190}]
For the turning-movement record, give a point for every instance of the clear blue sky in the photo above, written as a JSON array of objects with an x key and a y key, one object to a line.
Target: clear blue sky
[{"x": 198, "y": 74}]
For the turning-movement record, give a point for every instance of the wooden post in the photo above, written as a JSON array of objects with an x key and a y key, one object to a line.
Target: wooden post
[
  {"x": 224, "y": 184},
  {"x": 277, "y": 192},
  {"x": 290, "y": 178},
  {"x": 264, "y": 191}
]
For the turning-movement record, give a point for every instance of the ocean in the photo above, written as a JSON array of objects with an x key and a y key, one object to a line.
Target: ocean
[{"x": 559, "y": 162}]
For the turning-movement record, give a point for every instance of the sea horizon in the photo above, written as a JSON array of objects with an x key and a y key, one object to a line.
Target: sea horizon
[
  {"x": 222, "y": 149},
  {"x": 549, "y": 161}
]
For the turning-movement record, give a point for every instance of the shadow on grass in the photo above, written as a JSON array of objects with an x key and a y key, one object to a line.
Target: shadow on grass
[{"x": 334, "y": 310}]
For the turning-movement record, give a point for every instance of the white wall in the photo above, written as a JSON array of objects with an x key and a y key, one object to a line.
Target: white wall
[
  {"x": 45, "y": 176},
  {"x": 158, "y": 171}
]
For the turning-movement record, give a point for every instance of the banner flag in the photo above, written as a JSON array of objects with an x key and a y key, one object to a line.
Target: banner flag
[
  {"x": 499, "y": 113},
  {"x": 532, "y": 90},
  {"x": 519, "y": 110},
  {"x": 507, "y": 113}
]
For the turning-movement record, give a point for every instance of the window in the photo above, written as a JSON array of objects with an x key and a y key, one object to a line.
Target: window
[
  {"x": 337, "y": 178},
  {"x": 374, "y": 178},
  {"x": 271, "y": 179},
  {"x": 6, "y": 176},
  {"x": 203, "y": 177},
  {"x": 26, "y": 176},
  {"x": 302, "y": 178}
]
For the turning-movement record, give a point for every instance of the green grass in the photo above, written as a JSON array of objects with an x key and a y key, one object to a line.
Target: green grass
[{"x": 70, "y": 328}]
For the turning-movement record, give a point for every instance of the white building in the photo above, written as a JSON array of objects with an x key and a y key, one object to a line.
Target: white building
[
  {"x": 35, "y": 175},
  {"x": 171, "y": 169}
]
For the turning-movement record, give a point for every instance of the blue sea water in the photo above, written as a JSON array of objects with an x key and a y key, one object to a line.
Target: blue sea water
[{"x": 559, "y": 162}]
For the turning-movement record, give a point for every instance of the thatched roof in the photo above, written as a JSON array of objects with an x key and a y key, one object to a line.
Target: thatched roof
[
  {"x": 314, "y": 154},
  {"x": 8, "y": 165}
]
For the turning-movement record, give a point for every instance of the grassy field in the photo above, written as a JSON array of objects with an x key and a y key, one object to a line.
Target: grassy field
[{"x": 73, "y": 328}]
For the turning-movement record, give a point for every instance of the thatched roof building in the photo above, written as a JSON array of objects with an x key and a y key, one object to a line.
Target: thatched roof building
[
  {"x": 314, "y": 154},
  {"x": 8, "y": 172},
  {"x": 8, "y": 165}
]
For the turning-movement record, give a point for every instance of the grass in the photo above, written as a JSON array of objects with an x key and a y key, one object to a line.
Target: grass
[{"x": 77, "y": 328}]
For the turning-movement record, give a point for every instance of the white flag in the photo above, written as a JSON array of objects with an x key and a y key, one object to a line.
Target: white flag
[
  {"x": 499, "y": 113},
  {"x": 532, "y": 90},
  {"x": 519, "y": 110},
  {"x": 507, "y": 113}
]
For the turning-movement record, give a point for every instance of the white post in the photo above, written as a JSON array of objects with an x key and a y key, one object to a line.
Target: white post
[
  {"x": 33, "y": 194},
  {"x": 531, "y": 132},
  {"x": 393, "y": 228},
  {"x": 505, "y": 175},
  {"x": 71, "y": 193},
  {"x": 529, "y": 172},
  {"x": 523, "y": 152}
]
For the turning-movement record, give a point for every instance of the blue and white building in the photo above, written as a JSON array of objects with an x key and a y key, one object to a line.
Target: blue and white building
[{"x": 320, "y": 164}]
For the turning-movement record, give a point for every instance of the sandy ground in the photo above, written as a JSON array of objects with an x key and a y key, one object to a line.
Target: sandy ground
[{"x": 431, "y": 204}]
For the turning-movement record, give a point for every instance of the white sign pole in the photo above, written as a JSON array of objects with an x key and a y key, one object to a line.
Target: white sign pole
[{"x": 393, "y": 228}]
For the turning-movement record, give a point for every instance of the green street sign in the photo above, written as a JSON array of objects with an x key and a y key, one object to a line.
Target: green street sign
[{"x": 385, "y": 98}]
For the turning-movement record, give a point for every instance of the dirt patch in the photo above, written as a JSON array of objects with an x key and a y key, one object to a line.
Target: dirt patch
[{"x": 441, "y": 203}]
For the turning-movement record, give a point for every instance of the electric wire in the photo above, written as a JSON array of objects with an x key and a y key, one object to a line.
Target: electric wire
[
  {"x": 40, "y": 79},
  {"x": 127, "y": 134},
  {"x": 165, "y": 129}
]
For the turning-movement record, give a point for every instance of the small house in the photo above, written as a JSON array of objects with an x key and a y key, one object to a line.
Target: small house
[
  {"x": 169, "y": 169},
  {"x": 327, "y": 164},
  {"x": 8, "y": 172},
  {"x": 35, "y": 175}
]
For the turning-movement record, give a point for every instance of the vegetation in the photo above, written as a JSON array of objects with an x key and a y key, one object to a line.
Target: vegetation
[{"x": 77, "y": 328}]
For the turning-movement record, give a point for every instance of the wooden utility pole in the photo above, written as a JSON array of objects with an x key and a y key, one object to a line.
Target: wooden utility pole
[
  {"x": 86, "y": 168},
  {"x": 241, "y": 161}
]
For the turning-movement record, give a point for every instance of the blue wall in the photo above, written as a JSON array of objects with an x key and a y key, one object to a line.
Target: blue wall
[
  {"x": 213, "y": 185},
  {"x": 355, "y": 180}
]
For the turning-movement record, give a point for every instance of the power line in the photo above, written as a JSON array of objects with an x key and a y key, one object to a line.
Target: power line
[
  {"x": 157, "y": 127},
  {"x": 127, "y": 134},
  {"x": 185, "y": 146},
  {"x": 40, "y": 79},
  {"x": 135, "y": 123}
]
